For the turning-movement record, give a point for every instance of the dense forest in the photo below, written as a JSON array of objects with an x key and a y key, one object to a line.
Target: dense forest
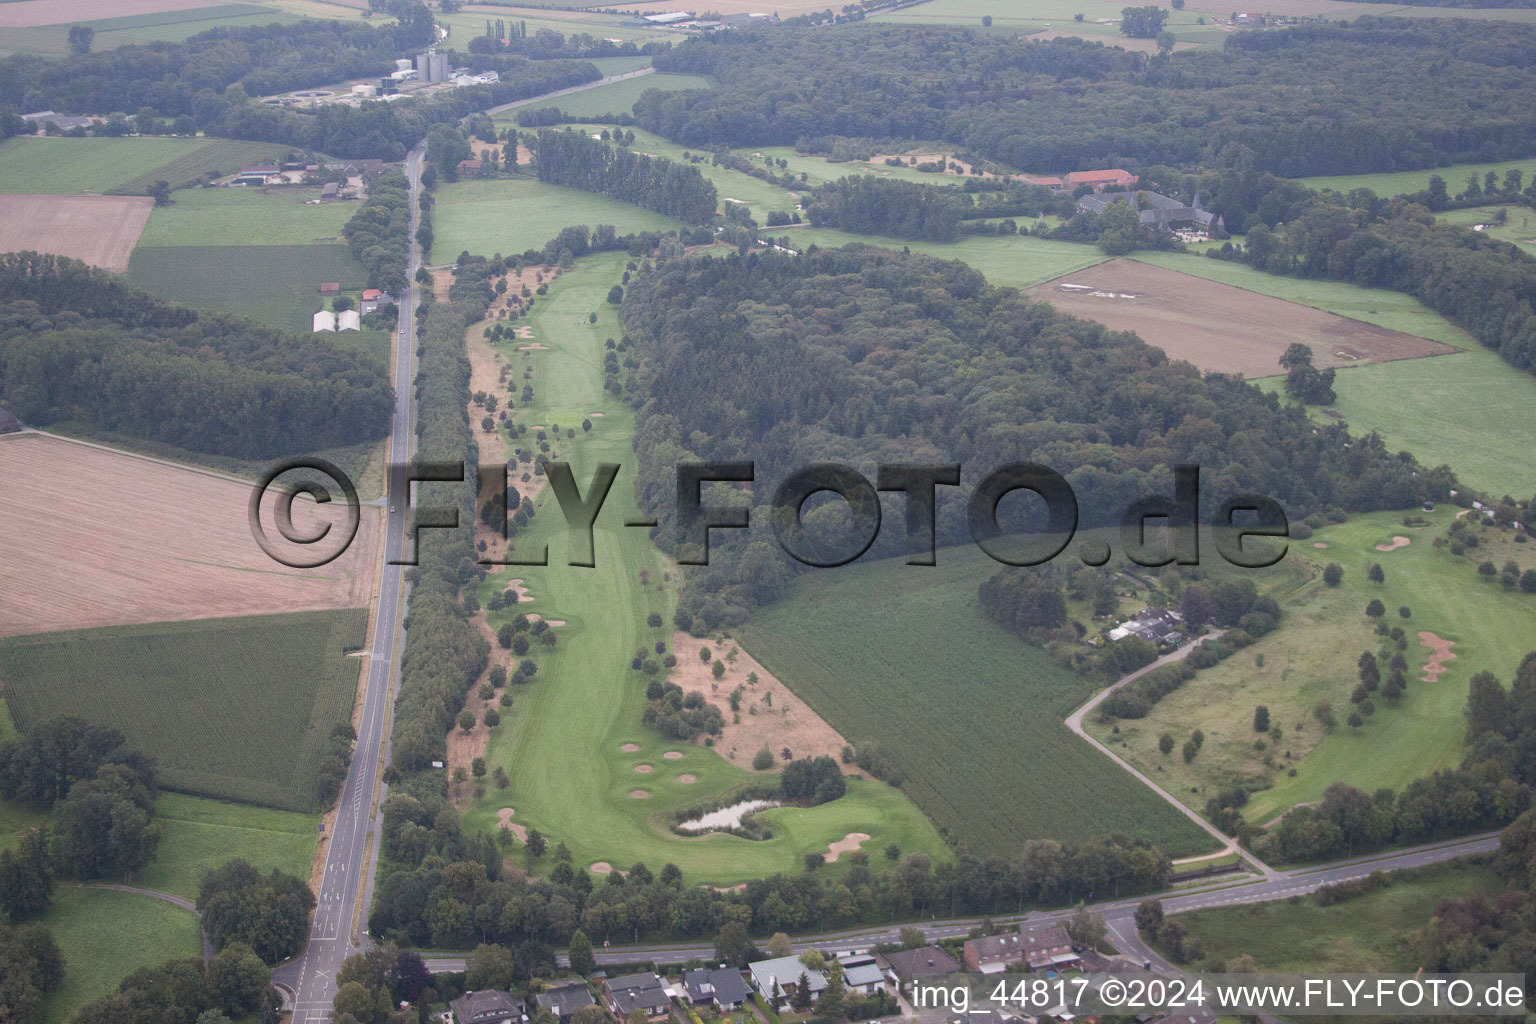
[
  {"x": 863, "y": 356},
  {"x": 574, "y": 159},
  {"x": 1376, "y": 95},
  {"x": 78, "y": 344},
  {"x": 868, "y": 205},
  {"x": 379, "y": 232}
]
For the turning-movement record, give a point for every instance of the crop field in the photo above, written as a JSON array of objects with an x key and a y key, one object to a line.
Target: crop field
[
  {"x": 561, "y": 742},
  {"x": 618, "y": 97},
  {"x": 176, "y": 546},
  {"x": 1463, "y": 409},
  {"x": 1100, "y": 17},
  {"x": 1367, "y": 933},
  {"x": 168, "y": 26},
  {"x": 239, "y": 708},
  {"x": 67, "y": 166},
  {"x": 470, "y": 22},
  {"x": 905, "y": 658},
  {"x": 32, "y": 13},
  {"x": 100, "y": 230},
  {"x": 206, "y": 217},
  {"x": 200, "y": 834},
  {"x": 1220, "y": 328},
  {"x": 221, "y": 155},
  {"x": 1401, "y": 182},
  {"x": 511, "y": 215},
  {"x": 1312, "y": 657},
  {"x": 276, "y": 285},
  {"x": 105, "y": 935},
  {"x": 1017, "y": 261}
]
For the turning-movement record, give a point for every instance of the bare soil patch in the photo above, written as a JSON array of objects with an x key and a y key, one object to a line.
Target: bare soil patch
[
  {"x": 504, "y": 820},
  {"x": 1439, "y": 654},
  {"x": 1220, "y": 328},
  {"x": 852, "y": 841},
  {"x": 442, "y": 280},
  {"x": 99, "y": 230},
  {"x": 1396, "y": 542},
  {"x": 31, "y": 13},
  {"x": 178, "y": 547},
  {"x": 687, "y": 779},
  {"x": 770, "y": 712}
]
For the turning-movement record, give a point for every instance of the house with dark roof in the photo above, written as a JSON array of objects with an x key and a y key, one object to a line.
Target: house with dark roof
[
  {"x": 490, "y": 1006},
  {"x": 632, "y": 992},
  {"x": 1151, "y": 208},
  {"x": 862, "y": 972},
  {"x": 470, "y": 166},
  {"x": 912, "y": 965},
  {"x": 1048, "y": 947},
  {"x": 991, "y": 954},
  {"x": 564, "y": 1000},
  {"x": 365, "y": 169},
  {"x": 721, "y": 987}
]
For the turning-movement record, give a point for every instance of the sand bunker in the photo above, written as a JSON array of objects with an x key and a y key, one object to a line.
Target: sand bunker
[
  {"x": 536, "y": 617},
  {"x": 686, "y": 779},
  {"x": 673, "y": 755},
  {"x": 630, "y": 748},
  {"x": 595, "y": 415},
  {"x": 601, "y": 867},
  {"x": 535, "y": 347},
  {"x": 638, "y": 794},
  {"x": 525, "y": 332},
  {"x": 1319, "y": 544},
  {"x": 1439, "y": 654},
  {"x": 504, "y": 820},
  {"x": 847, "y": 844},
  {"x": 1397, "y": 542},
  {"x": 644, "y": 769},
  {"x": 516, "y": 586}
]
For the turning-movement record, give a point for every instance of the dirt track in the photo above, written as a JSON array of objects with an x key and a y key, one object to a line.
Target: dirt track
[
  {"x": 90, "y": 537},
  {"x": 1220, "y": 328},
  {"x": 101, "y": 230}
]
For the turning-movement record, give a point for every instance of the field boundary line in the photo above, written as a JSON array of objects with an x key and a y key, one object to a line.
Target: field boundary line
[{"x": 189, "y": 467}]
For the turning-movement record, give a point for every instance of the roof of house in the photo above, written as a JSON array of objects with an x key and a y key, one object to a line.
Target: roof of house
[
  {"x": 638, "y": 992},
  {"x": 784, "y": 971},
  {"x": 990, "y": 947},
  {"x": 566, "y": 999},
  {"x": 330, "y": 286},
  {"x": 722, "y": 984},
  {"x": 921, "y": 963},
  {"x": 330, "y": 188},
  {"x": 1045, "y": 936},
  {"x": 261, "y": 169},
  {"x": 1089, "y": 177},
  {"x": 1049, "y": 182},
  {"x": 859, "y": 971},
  {"x": 61, "y": 121},
  {"x": 490, "y": 1006},
  {"x": 372, "y": 293}
]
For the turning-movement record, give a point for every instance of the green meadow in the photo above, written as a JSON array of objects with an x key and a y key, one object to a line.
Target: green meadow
[
  {"x": 200, "y": 834},
  {"x": 276, "y": 285},
  {"x": 561, "y": 741},
  {"x": 57, "y": 166},
  {"x": 615, "y": 97},
  {"x": 168, "y": 26},
  {"x": 1017, "y": 261},
  {"x": 1396, "y": 183},
  {"x": 213, "y": 216}
]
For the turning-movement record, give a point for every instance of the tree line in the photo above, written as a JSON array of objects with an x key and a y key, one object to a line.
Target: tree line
[
  {"x": 867, "y": 205},
  {"x": 378, "y": 234},
  {"x": 573, "y": 159},
  {"x": 77, "y": 343},
  {"x": 1376, "y": 94}
]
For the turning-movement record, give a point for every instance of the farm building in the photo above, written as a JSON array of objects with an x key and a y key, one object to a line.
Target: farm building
[
  {"x": 61, "y": 122},
  {"x": 349, "y": 320},
  {"x": 564, "y": 1000},
  {"x": 365, "y": 170},
  {"x": 1100, "y": 180},
  {"x": 1159, "y": 625},
  {"x": 488, "y": 1007},
  {"x": 669, "y": 18},
  {"x": 862, "y": 973},
  {"x": 721, "y": 987},
  {"x": 329, "y": 190},
  {"x": 258, "y": 175},
  {"x": 645, "y": 992},
  {"x": 745, "y": 20},
  {"x": 469, "y": 166},
  {"x": 330, "y": 288},
  {"x": 1048, "y": 182},
  {"x": 913, "y": 965},
  {"x": 1152, "y": 208},
  {"x": 9, "y": 424},
  {"x": 776, "y": 980},
  {"x": 324, "y": 320}
]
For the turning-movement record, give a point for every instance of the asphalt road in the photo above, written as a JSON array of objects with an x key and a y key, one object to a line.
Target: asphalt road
[
  {"x": 1118, "y": 915},
  {"x": 338, "y": 928}
]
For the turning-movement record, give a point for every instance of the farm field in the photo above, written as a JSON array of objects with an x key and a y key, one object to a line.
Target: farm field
[
  {"x": 1462, "y": 409},
  {"x": 470, "y": 22},
  {"x": 818, "y": 169},
  {"x": 180, "y": 544},
  {"x": 1366, "y": 933},
  {"x": 200, "y": 834},
  {"x": 276, "y": 285},
  {"x": 105, "y": 935},
  {"x": 1400, "y": 182},
  {"x": 1100, "y": 17},
  {"x": 233, "y": 708},
  {"x": 1017, "y": 261},
  {"x": 561, "y": 741},
  {"x": 100, "y": 230},
  {"x": 618, "y": 65},
  {"x": 1312, "y": 657},
  {"x": 220, "y": 155},
  {"x": 66, "y": 166},
  {"x": 905, "y": 658},
  {"x": 168, "y": 26},
  {"x": 512, "y": 215},
  {"x": 31, "y": 13},
  {"x": 1220, "y": 328},
  {"x": 615, "y": 97},
  {"x": 206, "y": 217}
]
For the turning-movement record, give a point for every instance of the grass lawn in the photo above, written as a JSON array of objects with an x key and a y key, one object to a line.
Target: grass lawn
[
  {"x": 616, "y": 97},
  {"x": 818, "y": 169},
  {"x": 1466, "y": 410},
  {"x": 1395, "y": 183},
  {"x": 619, "y": 65},
  {"x": 560, "y": 743},
  {"x": 1312, "y": 657},
  {"x": 1519, "y": 227},
  {"x": 904, "y": 657},
  {"x": 201, "y": 834},
  {"x": 67, "y": 166},
  {"x": 1367, "y": 933},
  {"x": 1017, "y": 260},
  {"x": 236, "y": 708},
  {"x": 105, "y": 935},
  {"x": 213, "y": 216},
  {"x": 511, "y": 215}
]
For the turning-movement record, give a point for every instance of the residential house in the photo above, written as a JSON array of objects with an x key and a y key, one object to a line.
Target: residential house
[
  {"x": 1159, "y": 625},
  {"x": 9, "y": 423},
  {"x": 644, "y": 992},
  {"x": 324, "y": 320},
  {"x": 1048, "y": 947},
  {"x": 914, "y": 965},
  {"x": 1100, "y": 180},
  {"x": 490, "y": 1006},
  {"x": 373, "y": 298},
  {"x": 721, "y": 987},
  {"x": 777, "y": 980},
  {"x": 1151, "y": 207},
  {"x": 364, "y": 169},
  {"x": 991, "y": 954},
  {"x": 564, "y": 1000},
  {"x": 471, "y": 166},
  {"x": 862, "y": 973},
  {"x": 349, "y": 320}
]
